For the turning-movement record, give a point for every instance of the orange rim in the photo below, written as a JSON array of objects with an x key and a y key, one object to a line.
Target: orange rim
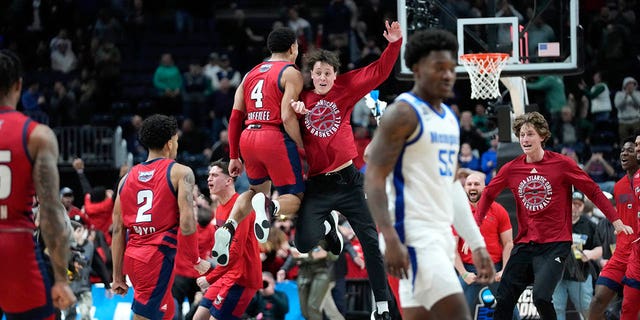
[{"x": 483, "y": 60}]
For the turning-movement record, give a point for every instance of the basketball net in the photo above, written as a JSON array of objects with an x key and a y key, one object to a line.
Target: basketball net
[{"x": 484, "y": 71}]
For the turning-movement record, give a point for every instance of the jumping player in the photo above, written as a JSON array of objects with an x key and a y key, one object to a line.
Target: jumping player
[
  {"x": 154, "y": 200},
  {"x": 541, "y": 181},
  {"x": 28, "y": 166},
  {"x": 416, "y": 147},
  {"x": 334, "y": 182},
  {"x": 269, "y": 143}
]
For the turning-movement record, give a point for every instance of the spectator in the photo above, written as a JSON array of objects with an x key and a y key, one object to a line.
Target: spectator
[
  {"x": 107, "y": 26},
  {"x": 601, "y": 171},
  {"x": 212, "y": 68},
  {"x": 74, "y": 213},
  {"x": 167, "y": 80},
  {"x": 221, "y": 147},
  {"x": 268, "y": 303},
  {"x": 554, "y": 98},
  {"x": 567, "y": 132},
  {"x": 197, "y": 86},
  {"x": 467, "y": 159},
  {"x": 627, "y": 101},
  {"x": 226, "y": 72},
  {"x": 539, "y": 32},
  {"x": 32, "y": 99},
  {"x": 576, "y": 283},
  {"x": 63, "y": 109},
  {"x": 599, "y": 97},
  {"x": 470, "y": 134},
  {"x": 222, "y": 101},
  {"x": 107, "y": 61},
  {"x": 301, "y": 27},
  {"x": 489, "y": 160},
  {"x": 62, "y": 57},
  {"x": 193, "y": 143}
]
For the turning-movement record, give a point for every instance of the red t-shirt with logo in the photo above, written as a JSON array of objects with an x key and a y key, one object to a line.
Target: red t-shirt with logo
[
  {"x": 542, "y": 191},
  {"x": 263, "y": 93},
  {"x": 495, "y": 223},
  {"x": 16, "y": 185},
  {"x": 244, "y": 267},
  {"x": 326, "y": 129},
  {"x": 149, "y": 208}
]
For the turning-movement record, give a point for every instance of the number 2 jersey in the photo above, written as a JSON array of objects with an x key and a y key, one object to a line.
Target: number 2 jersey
[
  {"x": 149, "y": 208},
  {"x": 424, "y": 169},
  {"x": 263, "y": 93},
  {"x": 16, "y": 185}
]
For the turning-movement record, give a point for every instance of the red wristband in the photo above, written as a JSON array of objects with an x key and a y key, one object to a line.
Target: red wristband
[{"x": 235, "y": 129}]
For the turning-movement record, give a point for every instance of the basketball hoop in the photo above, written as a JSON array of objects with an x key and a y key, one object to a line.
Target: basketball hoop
[{"x": 484, "y": 71}]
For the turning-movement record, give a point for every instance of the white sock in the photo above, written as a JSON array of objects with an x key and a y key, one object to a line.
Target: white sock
[
  {"x": 382, "y": 306},
  {"x": 327, "y": 227},
  {"x": 233, "y": 222},
  {"x": 277, "y": 205}
]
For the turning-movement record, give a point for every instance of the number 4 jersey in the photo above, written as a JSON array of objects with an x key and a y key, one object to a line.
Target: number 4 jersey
[
  {"x": 149, "y": 208},
  {"x": 16, "y": 185},
  {"x": 263, "y": 93}
]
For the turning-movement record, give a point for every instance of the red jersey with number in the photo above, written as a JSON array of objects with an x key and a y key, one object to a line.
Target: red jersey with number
[
  {"x": 245, "y": 265},
  {"x": 627, "y": 206},
  {"x": 326, "y": 129},
  {"x": 149, "y": 208},
  {"x": 263, "y": 93},
  {"x": 494, "y": 224},
  {"x": 542, "y": 191},
  {"x": 16, "y": 183}
]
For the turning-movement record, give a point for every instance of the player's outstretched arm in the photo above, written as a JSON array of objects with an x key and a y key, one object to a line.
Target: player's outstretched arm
[
  {"x": 188, "y": 238},
  {"x": 238, "y": 113},
  {"x": 396, "y": 125},
  {"x": 54, "y": 225}
]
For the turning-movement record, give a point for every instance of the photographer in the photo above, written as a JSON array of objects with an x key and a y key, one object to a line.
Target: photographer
[{"x": 268, "y": 303}]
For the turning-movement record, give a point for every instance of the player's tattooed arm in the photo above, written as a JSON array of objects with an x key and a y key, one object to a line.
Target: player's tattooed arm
[
  {"x": 54, "y": 225},
  {"x": 185, "y": 200}
]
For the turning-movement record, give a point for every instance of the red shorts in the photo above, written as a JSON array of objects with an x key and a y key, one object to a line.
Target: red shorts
[
  {"x": 633, "y": 268},
  {"x": 152, "y": 281},
  {"x": 227, "y": 300},
  {"x": 25, "y": 280},
  {"x": 269, "y": 154},
  {"x": 613, "y": 272}
]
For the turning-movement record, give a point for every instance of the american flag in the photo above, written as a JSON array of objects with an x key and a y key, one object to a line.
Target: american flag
[{"x": 548, "y": 49}]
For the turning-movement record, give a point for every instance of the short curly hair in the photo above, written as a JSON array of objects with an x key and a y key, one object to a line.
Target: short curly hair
[
  {"x": 326, "y": 56},
  {"x": 280, "y": 40},
  {"x": 10, "y": 69},
  {"x": 536, "y": 120},
  {"x": 423, "y": 42},
  {"x": 156, "y": 130}
]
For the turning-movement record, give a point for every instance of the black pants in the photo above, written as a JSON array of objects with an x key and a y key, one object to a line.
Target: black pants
[
  {"x": 343, "y": 192},
  {"x": 183, "y": 287},
  {"x": 540, "y": 264}
]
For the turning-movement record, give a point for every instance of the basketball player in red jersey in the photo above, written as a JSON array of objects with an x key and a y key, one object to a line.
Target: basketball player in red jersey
[
  {"x": 269, "y": 144},
  {"x": 334, "y": 181},
  {"x": 631, "y": 280},
  {"x": 541, "y": 181},
  {"x": 28, "y": 158},
  {"x": 153, "y": 199},
  {"x": 230, "y": 288},
  {"x": 610, "y": 280}
]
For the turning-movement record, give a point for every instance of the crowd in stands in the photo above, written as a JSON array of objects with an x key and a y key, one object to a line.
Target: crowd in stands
[{"x": 111, "y": 63}]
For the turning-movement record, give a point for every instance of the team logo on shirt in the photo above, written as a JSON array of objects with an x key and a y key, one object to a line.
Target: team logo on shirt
[
  {"x": 144, "y": 176},
  {"x": 323, "y": 120},
  {"x": 265, "y": 67},
  {"x": 535, "y": 192},
  {"x": 218, "y": 300}
]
